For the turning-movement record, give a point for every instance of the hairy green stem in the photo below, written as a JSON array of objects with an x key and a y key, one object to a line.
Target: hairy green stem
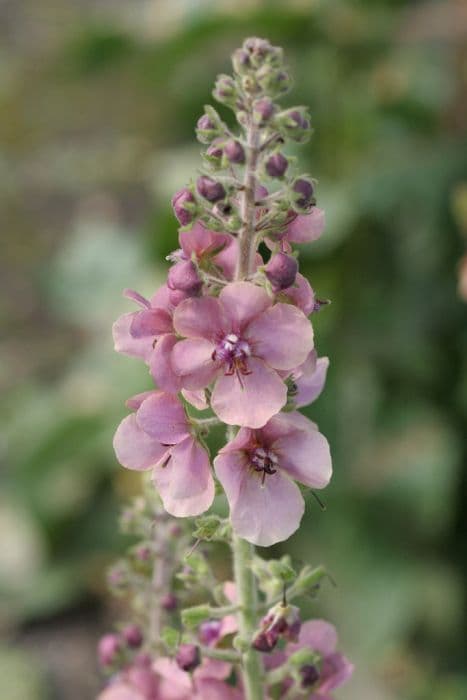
[{"x": 247, "y": 236}]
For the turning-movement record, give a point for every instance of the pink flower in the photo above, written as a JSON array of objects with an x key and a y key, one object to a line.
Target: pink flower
[
  {"x": 305, "y": 228},
  {"x": 240, "y": 341},
  {"x": 300, "y": 294},
  {"x": 135, "y": 333},
  {"x": 213, "y": 251},
  {"x": 258, "y": 468},
  {"x": 159, "y": 437},
  {"x": 309, "y": 379},
  {"x": 331, "y": 670}
]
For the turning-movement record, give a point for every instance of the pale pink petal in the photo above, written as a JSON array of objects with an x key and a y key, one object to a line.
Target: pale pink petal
[
  {"x": 261, "y": 513},
  {"x": 161, "y": 298},
  {"x": 137, "y": 298},
  {"x": 120, "y": 691},
  {"x": 210, "y": 689},
  {"x": 134, "y": 448},
  {"x": 185, "y": 484},
  {"x": 226, "y": 259},
  {"x": 282, "y": 336},
  {"x": 163, "y": 417},
  {"x": 243, "y": 301},
  {"x": 307, "y": 227},
  {"x": 317, "y": 635},
  {"x": 249, "y": 399},
  {"x": 125, "y": 343},
  {"x": 151, "y": 322},
  {"x": 196, "y": 398},
  {"x": 134, "y": 402},
  {"x": 160, "y": 364},
  {"x": 305, "y": 456},
  {"x": 311, "y": 383},
  {"x": 200, "y": 318},
  {"x": 242, "y": 440},
  {"x": 300, "y": 294},
  {"x": 335, "y": 671},
  {"x": 192, "y": 361},
  {"x": 213, "y": 668},
  {"x": 174, "y": 684}
]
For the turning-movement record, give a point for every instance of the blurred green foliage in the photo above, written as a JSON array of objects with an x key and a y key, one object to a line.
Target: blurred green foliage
[{"x": 98, "y": 107}]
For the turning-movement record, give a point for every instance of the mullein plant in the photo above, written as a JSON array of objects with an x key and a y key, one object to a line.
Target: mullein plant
[{"x": 227, "y": 341}]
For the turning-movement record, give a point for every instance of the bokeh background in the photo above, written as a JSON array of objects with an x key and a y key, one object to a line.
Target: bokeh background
[{"x": 98, "y": 103}]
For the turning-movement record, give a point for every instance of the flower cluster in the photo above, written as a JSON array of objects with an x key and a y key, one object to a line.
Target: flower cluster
[{"x": 228, "y": 339}]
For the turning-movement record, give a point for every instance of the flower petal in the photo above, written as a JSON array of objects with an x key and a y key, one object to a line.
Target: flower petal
[
  {"x": 196, "y": 398},
  {"x": 262, "y": 514},
  {"x": 282, "y": 336},
  {"x": 335, "y": 671},
  {"x": 160, "y": 364},
  {"x": 249, "y": 400},
  {"x": 137, "y": 298},
  {"x": 304, "y": 454},
  {"x": 200, "y": 318},
  {"x": 317, "y": 635},
  {"x": 311, "y": 383},
  {"x": 300, "y": 294},
  {"x": 307, "y": 227},
  {"x": 134, "y": 448},
  {"x": 163, "y": 417},
  {"x": 134, "y": 402},
  {"x": 151, "y": 322},
  {"x": 192, "y": 361},
  {"x": 242, "y": 302},
  {"x": 124, "y": 341},
  {"x": 185, "y": 484}
]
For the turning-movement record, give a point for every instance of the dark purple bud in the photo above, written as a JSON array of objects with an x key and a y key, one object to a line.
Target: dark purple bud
[
  {"x": 281, "y": 271},
  {"x": 206, "y": 129},
  {"x": 225, "y": 90},
  {"x": 215, "y": 152},
  {"x": 210, "y": 189},
  {"x": 276, "y": 165},
  {"x": 184, "y": 206},
  {"x": 234, "y": 151},
  {"x": 209, "y": 632},
  {"x": 169, "y": 602},
  {"x": 297, "y": 117},
  {"x": 310, "y": 675},
  {"x": 133, "y": 636},
  {"x": 263, "y": 110},
  {"x": 241, "y": 61},
  {"x": 281, "y": 621},
  {"x": 188, "y": 657},
  {"x": 295, "y": 124},
  {"x": 264, "y": 642},
  {"x": 108, "y": 649},
  {"x": 184, "y": 277},
  {"x": 304, "y": 192}
]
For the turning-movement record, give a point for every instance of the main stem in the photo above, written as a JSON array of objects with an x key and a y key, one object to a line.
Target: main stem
[{"x": 242, "y": 551}]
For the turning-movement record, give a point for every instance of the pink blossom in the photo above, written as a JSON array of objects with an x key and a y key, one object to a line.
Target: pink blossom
[
  {"x": 258, "y": 469},
  {"x": 159, "y": 437},
  {"x": 309, "y": 379},
  {"x": 211, "y": 250},
  {"x": 305, "y": 228},
  {"x": 300, "y": 293},
  {"x": 240, "y": 341}
]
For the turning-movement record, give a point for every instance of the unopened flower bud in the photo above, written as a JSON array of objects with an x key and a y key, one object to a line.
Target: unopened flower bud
[
  {"x": 310, "y": 675},
  {"x": 108, "y": 649},
  {"x": 209, "y": 632},
  {"x": 188, "y": 657},
  {"x": 295, "y": 124},
  {"x": 263, "y": 110},
  {"x": 143, "y": 552},
  {"x": 184, "y": 206},
  {"x": 225, "y": 90},
  {"x": 133, "y": 636},
  {"x": 303, "y": 192},
  {"x": 214, "y": 154},
  {"x": 276, "y": 165},
  {"x": 184, "y": 277},
  {"x": 169, "y": 602},
  {"x": 206, "y": 129},
  {"x": 272, "y": 81},
  {"x": 234, "y": 151},
  {"x": 241, "y": 61},
  {"x": 281, "y": 621},
  {"x": 281, "y": 271},
  {"x": 210, "y": 189}
]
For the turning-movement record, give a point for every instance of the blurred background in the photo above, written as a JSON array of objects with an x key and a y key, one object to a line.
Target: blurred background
[{"x": 98, "y": 104}]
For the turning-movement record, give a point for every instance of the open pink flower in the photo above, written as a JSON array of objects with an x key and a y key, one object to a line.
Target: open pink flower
[
  {"x": 135, "y": 333},
  {"x": 258, "y": 469},
  {"x": 240, "y": 341},
  {"x": 159, "y": 437},
  {"x": 210, "y": 249},
  {"x": 331, "y": 669}
]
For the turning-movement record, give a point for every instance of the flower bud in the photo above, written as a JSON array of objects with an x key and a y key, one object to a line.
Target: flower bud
[
  {"x": 206, "y": 129},
  {"x": 188, "y": 657},
  {"x": 281, "y": 271},
  {"x": 108, "y": 649},
  {"x": 234, "y": 151},
  {"x": 209, "y": 632},
  {"x": 310, "y": 675},
  {"x": 281, "y": 621},
  {"x": 303, "y": 192},
  {"x": 169, "y": 602},
  {"x": 210, "y": 189},
  {"x": 273, "y": 82},
  {"x": 214, "y": 154},
  {"x": 184, "y": 277},
  {"x": 263, "y": 110},
  {"x": 295, "y": 124},
  {"x": 225, "y": 90},
  {"x": 143, "y": 552},
  {"x": 276, "y": 165},
  {"x": 184, "y": 206},
  {"x": 241, "y": 61},
  {"x": 133, "y": 636}
]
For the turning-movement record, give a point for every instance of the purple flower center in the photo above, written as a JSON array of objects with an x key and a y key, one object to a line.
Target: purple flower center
[
  {"x": 234, "y": 352},
  {"x": 264, "y": 460}
]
